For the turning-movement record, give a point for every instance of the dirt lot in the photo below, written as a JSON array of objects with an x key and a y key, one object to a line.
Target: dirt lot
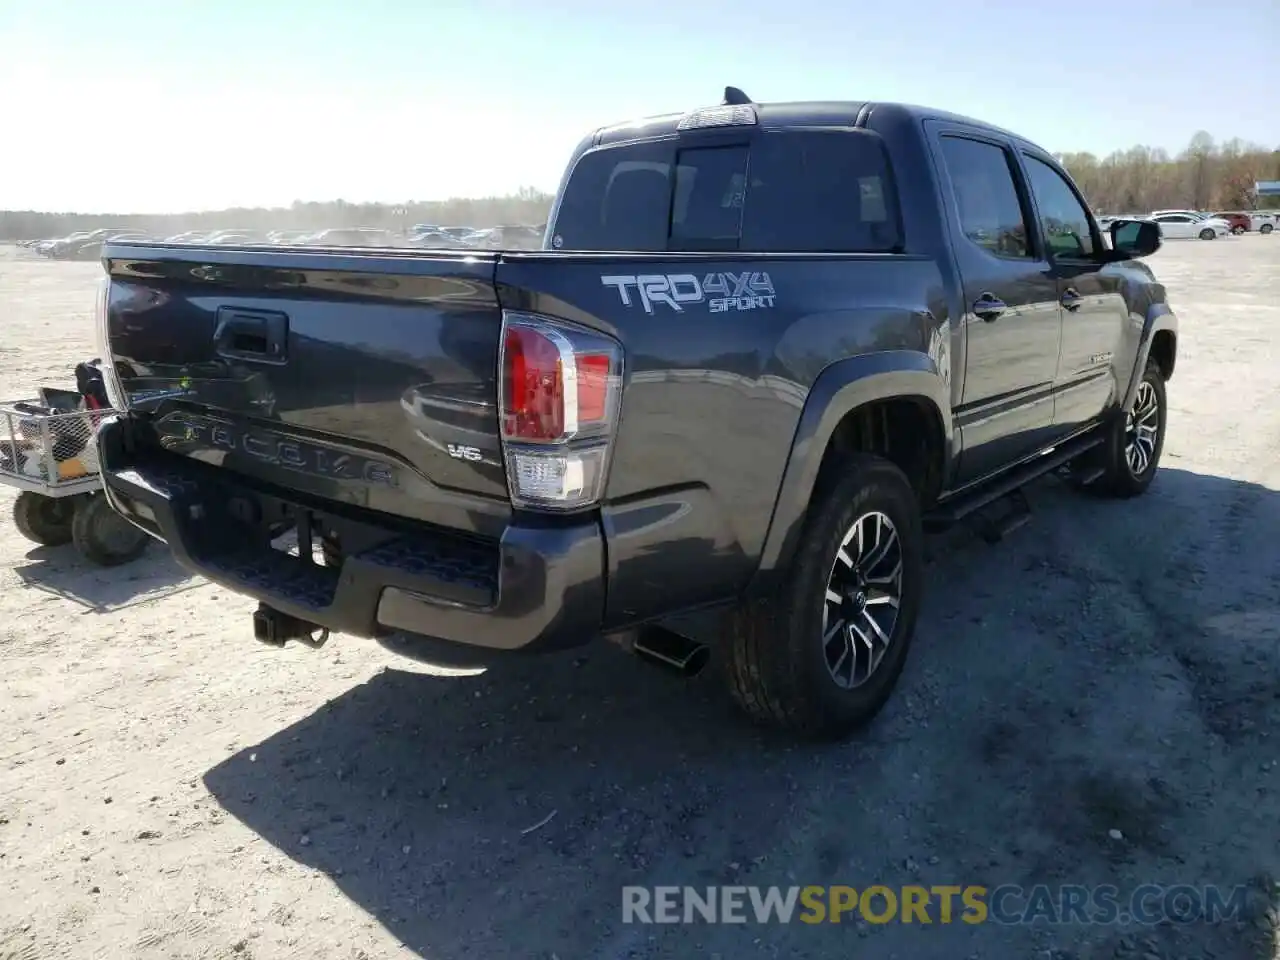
[{"x": 168, "y": 788}]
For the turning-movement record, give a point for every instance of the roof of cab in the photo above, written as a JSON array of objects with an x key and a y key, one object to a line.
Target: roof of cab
[{"x": 808, "y": 113}]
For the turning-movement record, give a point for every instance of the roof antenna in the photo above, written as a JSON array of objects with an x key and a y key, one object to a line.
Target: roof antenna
[{"x": 733, "y": 97}]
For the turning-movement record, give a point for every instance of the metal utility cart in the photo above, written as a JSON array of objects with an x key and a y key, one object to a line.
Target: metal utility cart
[{"x": 47, "y": 451}]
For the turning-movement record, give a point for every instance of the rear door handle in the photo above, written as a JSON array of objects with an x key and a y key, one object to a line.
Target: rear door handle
[
  {"x": 1071, "y": 298},
  {"x": 259, "y": 336},
  {"x": 988, "y": 307}
]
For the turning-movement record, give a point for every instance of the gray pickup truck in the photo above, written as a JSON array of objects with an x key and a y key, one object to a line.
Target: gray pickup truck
[{"x": 764, "y": 349}]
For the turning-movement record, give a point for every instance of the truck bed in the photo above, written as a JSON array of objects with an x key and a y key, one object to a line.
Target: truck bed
[{"x": 364, "y": 385}]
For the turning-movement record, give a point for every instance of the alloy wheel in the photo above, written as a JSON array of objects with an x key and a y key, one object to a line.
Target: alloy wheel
[
  {"x": 863, "y": 595},
  {"x": 1142, "y": 426}
]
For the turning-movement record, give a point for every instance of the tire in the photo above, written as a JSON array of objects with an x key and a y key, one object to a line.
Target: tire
[
  {"x": 105, "y": 537},
  {"x": 1266, "y": 228},
  {"x": 1121, "y": 479},
  {"x": 775, "y": 661},
  {"x": 1238, "y": 231},
  {"x": 1207, "y": 234},
  {"x": 43, "y": 520}
]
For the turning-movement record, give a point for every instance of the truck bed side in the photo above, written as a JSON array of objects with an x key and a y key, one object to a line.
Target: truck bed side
[{"x": 715, "y": 388}]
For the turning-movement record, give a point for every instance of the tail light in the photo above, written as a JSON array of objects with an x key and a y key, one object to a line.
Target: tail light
[
  {"x": 559, "y": 397},
  {"x": 101, "y": 320}
]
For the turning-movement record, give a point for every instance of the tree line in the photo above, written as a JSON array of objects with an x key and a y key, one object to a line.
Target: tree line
[
  {"x": 526, "y": 207},
  {"x": 1205, "y": 176}
]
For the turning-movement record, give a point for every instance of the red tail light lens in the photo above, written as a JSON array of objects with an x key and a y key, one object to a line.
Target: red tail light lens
[
  {"x": 556, "y": 383},
  {"x": 593, "y": 387},
  {"x": 561, "y": 388},
  {"x": 533, "y": 386}
]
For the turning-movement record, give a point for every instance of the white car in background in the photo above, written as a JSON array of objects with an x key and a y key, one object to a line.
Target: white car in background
[{"x": 1189, "y": 226}]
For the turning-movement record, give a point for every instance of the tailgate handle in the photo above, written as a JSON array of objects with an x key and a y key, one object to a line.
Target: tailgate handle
[{"x": 261, "y": 336}]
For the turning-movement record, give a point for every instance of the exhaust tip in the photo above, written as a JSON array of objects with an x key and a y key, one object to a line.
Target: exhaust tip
[{"x": 671, "y": 651}]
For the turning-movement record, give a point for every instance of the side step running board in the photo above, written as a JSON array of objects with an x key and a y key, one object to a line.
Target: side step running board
[
  {"x": 963, "y": 504},
  {"x": 1017, "y": 513}
]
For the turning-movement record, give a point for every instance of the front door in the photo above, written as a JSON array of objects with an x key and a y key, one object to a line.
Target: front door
[
  {"x": 1094, "y": 314},
  {"x": 1012, "y": 317}
]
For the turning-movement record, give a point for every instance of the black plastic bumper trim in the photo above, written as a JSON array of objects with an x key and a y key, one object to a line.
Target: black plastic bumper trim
[{"x": 536, "y": 587}]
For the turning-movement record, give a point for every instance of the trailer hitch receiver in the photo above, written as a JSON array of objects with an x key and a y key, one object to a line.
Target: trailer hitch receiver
[{"x": 276, "y": 628}]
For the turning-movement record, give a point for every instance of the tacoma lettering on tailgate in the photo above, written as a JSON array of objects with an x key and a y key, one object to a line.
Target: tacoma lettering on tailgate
[{"x": 192, "y": 434}]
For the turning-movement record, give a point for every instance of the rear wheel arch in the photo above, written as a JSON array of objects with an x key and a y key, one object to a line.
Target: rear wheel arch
[
  {"x": 894, "y": 405},
  {"x": 905, "y": 430}
]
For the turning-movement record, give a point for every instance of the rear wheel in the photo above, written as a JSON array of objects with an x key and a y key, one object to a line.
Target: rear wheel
[
  {"x": 1207, "y": 234},
  {"x": 1266, "y": 228},
  {"x": 821, "y": 656},
  {"x": 43, "y": 520},
  {"x": 1237, "y": 230},
  {"x": 103, "y": 536}
]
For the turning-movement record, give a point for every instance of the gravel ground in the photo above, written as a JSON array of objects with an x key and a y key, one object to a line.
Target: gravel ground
[{"x": 1089, "y": 702}]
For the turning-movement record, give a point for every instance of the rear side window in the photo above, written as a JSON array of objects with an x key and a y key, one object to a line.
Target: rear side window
[
  {"x": 710, "y": 191},
  {"x": 826, "y": 191},
  {"x": 799, "y": 192},
  {"x": 990, "y": 211}
]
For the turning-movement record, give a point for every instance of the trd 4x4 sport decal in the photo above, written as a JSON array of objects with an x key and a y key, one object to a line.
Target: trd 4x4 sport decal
[{"x": 721, "y": 292}]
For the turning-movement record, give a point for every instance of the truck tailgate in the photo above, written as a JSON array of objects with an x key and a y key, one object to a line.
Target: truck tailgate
[{"x": 363, "y": 377}]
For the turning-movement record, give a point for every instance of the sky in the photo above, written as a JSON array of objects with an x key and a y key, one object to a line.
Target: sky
[{"x": 157, "y": 106}]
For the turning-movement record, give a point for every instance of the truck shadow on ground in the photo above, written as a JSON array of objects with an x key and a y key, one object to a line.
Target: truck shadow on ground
[
  {"x": 1111, "y": 670},
  {"x": 63, "y": 572}
]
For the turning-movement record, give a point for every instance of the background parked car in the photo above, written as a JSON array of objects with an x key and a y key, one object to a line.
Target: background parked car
[
  {"x": 1197, "y": 214},
  {"x": 357, "y": 237},
  {"x": 1187, "y": 226},
  {"x": 1240, "y": 222},
  {"x": 70, "y": 246},
  {"x": 434, "y": 239},
  {"x": 91, "y": 249},
  {"x": 290, "y": 237}
]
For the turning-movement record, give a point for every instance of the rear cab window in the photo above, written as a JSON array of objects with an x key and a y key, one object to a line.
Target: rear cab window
[{"x": 787, "y": 191}]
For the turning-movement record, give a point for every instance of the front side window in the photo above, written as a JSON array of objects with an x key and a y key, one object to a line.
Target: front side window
[{"x": 1063, "y": 218}]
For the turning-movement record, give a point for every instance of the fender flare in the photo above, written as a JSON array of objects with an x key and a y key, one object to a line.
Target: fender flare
[
  {"x": 1159, "y": 318},
  {"x": 842, "y": 387}
]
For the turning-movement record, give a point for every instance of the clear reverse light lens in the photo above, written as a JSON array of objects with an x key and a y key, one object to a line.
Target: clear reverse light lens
[{"x": 561, "y": 479}]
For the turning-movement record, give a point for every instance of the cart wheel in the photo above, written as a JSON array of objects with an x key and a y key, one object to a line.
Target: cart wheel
[
  {"x": 44, "y": 520},
  {"x": 104, "y": 536}
]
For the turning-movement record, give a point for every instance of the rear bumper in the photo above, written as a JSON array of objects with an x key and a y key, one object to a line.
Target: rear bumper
[{"x": 535, "y": 588}]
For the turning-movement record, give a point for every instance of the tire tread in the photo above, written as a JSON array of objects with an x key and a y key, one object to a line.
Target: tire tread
[{"x": 763, "y": 665}]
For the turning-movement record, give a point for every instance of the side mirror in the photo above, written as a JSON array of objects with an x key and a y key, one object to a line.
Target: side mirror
[{"x": 1131, "y": 239}]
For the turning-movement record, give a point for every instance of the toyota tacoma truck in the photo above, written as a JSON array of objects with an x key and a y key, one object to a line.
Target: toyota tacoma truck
[{"x": 765, "y": 348}]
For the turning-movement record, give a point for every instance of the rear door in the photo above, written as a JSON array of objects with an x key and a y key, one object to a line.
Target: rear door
[
  {"x": 1094, "y": 312},
  {"x": 1012, "y": 320}
]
